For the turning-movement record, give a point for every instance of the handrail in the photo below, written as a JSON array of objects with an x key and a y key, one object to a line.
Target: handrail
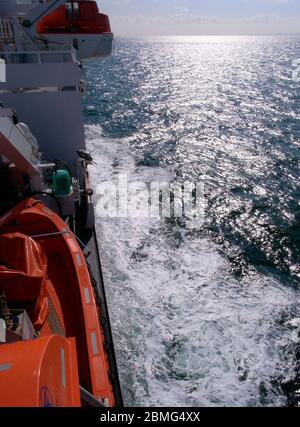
[
  {"x": 38, "y": 55},
  {"x": 32, "y": 52},
  {"x": 91, "y": 400}
]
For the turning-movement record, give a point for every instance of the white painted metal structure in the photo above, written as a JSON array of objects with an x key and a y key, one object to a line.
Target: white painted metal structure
[
  {"x": 19, "y": 146},
  {"x": 44, "y": 80}
]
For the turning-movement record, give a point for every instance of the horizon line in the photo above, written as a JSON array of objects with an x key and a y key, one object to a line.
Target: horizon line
[{"x": 206, "y": 35}]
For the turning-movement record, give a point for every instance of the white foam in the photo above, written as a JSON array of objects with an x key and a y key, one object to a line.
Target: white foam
[{"x": 187, "y": 333}]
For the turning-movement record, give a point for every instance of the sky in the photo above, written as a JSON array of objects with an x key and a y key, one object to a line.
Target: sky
[{"x": 189, "y": 17}]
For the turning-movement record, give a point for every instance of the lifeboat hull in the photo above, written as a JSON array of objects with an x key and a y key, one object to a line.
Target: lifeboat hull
[
  {"x": 80, "y": 24},
  {"x": 73, "y": 312},
  {"x": 39, "y": 373},
  {"x": 86, "y": 45}
]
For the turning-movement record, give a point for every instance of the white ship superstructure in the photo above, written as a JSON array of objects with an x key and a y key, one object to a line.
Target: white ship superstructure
[{"x": 44, "y": 78}]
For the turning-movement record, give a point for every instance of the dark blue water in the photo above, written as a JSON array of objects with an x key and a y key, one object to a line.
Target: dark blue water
[{"x": 203, "y": 317}]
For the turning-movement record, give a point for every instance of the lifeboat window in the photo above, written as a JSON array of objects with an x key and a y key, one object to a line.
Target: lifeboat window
[
  {"x": 69, "y": 10},
  {"x": 76, "y": 10},
  {"x": 72, "y": 10}
]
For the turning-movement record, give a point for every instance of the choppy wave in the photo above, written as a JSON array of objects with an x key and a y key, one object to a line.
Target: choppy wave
[{"x": 204, "y": 317}]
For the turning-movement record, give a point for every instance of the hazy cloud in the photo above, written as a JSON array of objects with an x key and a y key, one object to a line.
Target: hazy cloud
[{"x": 188, "y": 17}]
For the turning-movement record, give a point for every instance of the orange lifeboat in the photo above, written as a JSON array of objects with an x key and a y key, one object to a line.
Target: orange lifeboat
[
  {"x": 77, "y": 17},
  {"x": 52, "y": 349}
]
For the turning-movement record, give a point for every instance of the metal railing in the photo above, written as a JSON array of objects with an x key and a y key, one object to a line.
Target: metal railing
[
  {"x": 89, "y": 399},
  {"x": 37, "y": 56},
  {"x": 17, "y": 47},
  {"x": 6, "y": 30}
]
